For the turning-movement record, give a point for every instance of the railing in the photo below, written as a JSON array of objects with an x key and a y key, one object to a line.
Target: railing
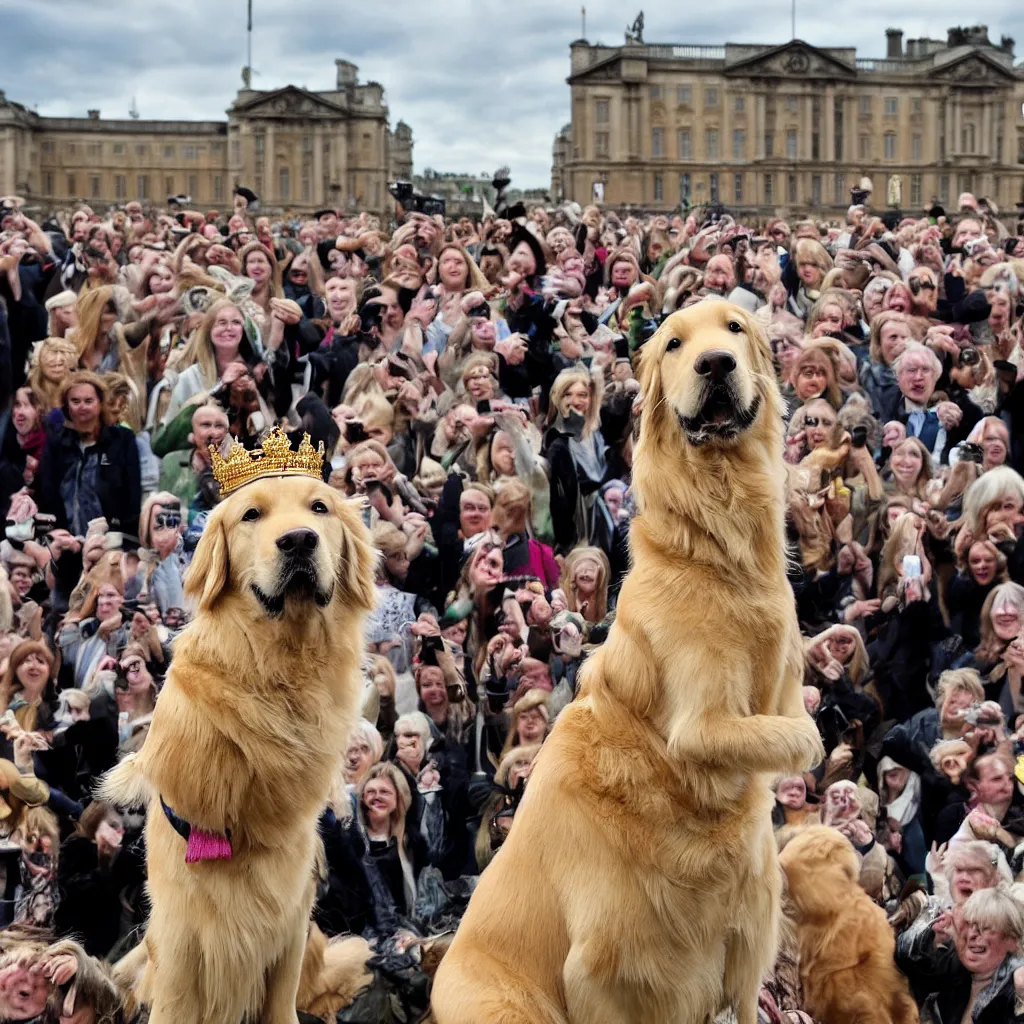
[
  {"x": 681, "y": 52},
  {"x": 886, "y": 64}
]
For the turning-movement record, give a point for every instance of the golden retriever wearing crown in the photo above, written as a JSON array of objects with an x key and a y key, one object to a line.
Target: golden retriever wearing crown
[
  {"x": 640, "y": 880},
  {"x": 244, "y": 743}
]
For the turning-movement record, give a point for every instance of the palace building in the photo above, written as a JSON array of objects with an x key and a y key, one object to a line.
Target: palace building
[
  {"x": 791, "y": 128},
  {"x": 297, "y": 149}
]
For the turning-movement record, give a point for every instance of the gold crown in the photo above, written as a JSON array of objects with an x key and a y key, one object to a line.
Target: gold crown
[{"x": 275, "y": 458}]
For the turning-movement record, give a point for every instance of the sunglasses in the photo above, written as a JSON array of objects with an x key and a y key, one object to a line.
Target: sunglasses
[
  {"x": 167, "y": 520},
  {"x": 918, "y": 284}
]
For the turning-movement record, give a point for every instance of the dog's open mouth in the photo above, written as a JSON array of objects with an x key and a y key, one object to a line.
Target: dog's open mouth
[
  {"x": 300, "y": 581},
  {"x": 720, "y": 416}
]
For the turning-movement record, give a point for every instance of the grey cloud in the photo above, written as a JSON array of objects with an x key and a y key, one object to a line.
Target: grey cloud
[{"x": 481, "y": 82}]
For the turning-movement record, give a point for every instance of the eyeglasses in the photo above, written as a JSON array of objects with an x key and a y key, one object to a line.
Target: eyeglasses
[
  {"x": 132, "y": 666},
  {"x": 167, "y": 520}
]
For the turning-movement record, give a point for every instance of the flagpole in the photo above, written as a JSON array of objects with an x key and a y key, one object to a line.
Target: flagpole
[
  {"x": 248, "y": 39},
  {"x": 793, "y": 36}
]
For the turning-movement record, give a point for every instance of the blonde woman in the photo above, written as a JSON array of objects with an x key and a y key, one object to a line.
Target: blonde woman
[
  {"x": 578, "y": 461},
  {"x": 585, "y": 577},
  {"x": 52, "y": 360}
]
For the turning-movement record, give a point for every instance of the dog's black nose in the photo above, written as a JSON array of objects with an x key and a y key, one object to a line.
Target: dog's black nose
[
  {"x": 298, "y": 542},
  {"x": 716, "y": 364}
]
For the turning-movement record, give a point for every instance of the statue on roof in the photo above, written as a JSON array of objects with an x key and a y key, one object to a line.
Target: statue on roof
[
  {"x": 636, "y": 33},
  {"x": 246, "y": 77}
]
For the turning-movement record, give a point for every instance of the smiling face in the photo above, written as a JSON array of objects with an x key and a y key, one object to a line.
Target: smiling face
[
  {"x": 24, "y": 414},
  {"x": 1006, "y": 620},
  {"x": 906, "y": 462},
  {"x": 982, "y": 563},
  {"x": 341, "y": 298},
  {"x": 453, "y": 271},
  {"x": 33, "y": 673},
  {"x": 257, "y": 267},
  {"x": 226, "y": 331},
  {"x": 709, "y": 358},
  {"x": 994, "y": 785},
  {"x": 532, "y": 726},
  {"x": 433, "y": 691}
]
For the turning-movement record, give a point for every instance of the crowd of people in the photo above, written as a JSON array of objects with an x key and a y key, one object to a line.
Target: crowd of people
[{"x": 473, "y": 381}]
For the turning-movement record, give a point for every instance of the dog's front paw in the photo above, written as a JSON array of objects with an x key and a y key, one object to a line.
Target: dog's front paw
[{"x": 810, "y": 751}]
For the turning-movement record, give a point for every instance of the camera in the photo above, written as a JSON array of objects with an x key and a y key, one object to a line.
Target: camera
[
  {"x": 415, "y": 202},
  {"x": 371, "y": 315},
  {"x": 859, "y": 436},
  {"x": 969, "y": 356},
  {"x": 355, "y": 432},
  {"x": 970, "y": 452}
]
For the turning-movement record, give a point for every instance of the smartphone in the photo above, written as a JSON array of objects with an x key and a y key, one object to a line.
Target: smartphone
[
  {"x": 912, "y": 567},
  {"x": 859, "y": 436},
  {"x": 971, "y": 452},
  {"x": 113, "y": 540},
  {"x": 355, "y": 432},
  {"x": 483, "y": 406}
]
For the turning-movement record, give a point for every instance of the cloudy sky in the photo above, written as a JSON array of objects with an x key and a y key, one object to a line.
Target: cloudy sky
[{"x": 481, "y": 82}]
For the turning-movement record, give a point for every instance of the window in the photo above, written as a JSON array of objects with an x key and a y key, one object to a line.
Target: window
[
  {"x": 118, "y": 149},
  {"x": 257, "y": 185},
  {"x": 655, "y": 92},
  {"x": 236, "y": 151},
  {"x": 915, "y": 148},
  {"x": 816, "y": 190},
  {"x": 169, "y": 185},
  {"x": 714, "y": 187},
  {"x": 684, "y": 95},
  {"x": 657, "y": 142},
  {"x": 259, "y": 140},
  {"x": 142, "y": 187},
  {"x": 1020, "y": 149},
  {"x": 601, "y": 111},
  {"x": 915, "y": 106},
  {"x": 168, "y": 152},
  {"x": 769, "y": 190},
  {"x": 307, "y": 189},
  {"x": 72, "y": 190},
  {"x": 944, "y": 189},
  {"x": 188, "y": 152},
  {"x": 739, "y": 105},
  {"x": 790, "y": 143},
  {"x": 307, "y": 143},
  {"x": 94, "y": 187},
  {"x": 865, "y": 106},
  {"x": 284, "y": 186},
  {"x": 711, "y": 144},
  {"x": 890, "y": 145},
  {"x": 193, "y": 186},
  {"x": 791, "y": 104},
  {"x": 839, "y": 196},
  {"x": 739, "y": 143},
  {"x": 737, "y": 188},
  {"x": 218, "y": 188},
  {"x": 892, "y": 106},
  {"x": 684, "y": 189},
  {"x": 48, "y": 183},
  {"x": 769, "y": 144},
  {"x": 94, "y": 149},
  {"x": 684, "y": 146},
  {"x": 120, "y": 186},
  {"x": 915, "y": 190},
  {"x": 48, "y": 148},
  {"x": 141, "y": 149},
  {"x": 792, "y": 187},
  {"x": 710, "y": 97},
  {"x": 659, "y": 188},
  {"x": 601, "y": 144},
  {"x": 967, "y": 139},
  {"x": 815, "y": 146},
  {"x": 865, "y": 147}
]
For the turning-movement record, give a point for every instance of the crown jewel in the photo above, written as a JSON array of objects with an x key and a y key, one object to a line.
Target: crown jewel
[{"x": 275, "y": 458}]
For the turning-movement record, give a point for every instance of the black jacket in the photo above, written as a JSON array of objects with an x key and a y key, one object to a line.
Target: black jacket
[{"x": 118, "y": 480}]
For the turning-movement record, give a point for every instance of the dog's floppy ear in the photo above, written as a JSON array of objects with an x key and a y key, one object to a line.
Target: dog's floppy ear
[
  {"x": 207, "y": 576},
  {"x": 358, "y": 567}
]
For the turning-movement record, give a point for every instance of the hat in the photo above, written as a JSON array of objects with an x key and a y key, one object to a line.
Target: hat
[
  {"x": 317, "y": 214},
  {"x": 247, "y": 194},
  {"x": 522, "y": 234},
  {"x": 61, "y": 299}
]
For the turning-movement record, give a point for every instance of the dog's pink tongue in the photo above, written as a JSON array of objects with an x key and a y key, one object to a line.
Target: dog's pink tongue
[{"x": 206, "y": 846}]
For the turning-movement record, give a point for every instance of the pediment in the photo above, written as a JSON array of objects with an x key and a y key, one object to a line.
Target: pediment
[
  {"x": 792, "y": 60},
  {"x": 291, "y": 101},
  {"x": 608, "y": 70},
  {"x": 976, "y": 68}
]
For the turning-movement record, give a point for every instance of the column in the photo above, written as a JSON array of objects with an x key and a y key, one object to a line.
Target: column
[
  {"x": 829, "y": 134},
  {"x": 760, "y": 125},
  {"x": 10, "y": 164},
  {"x": 318, "y": 165},
  {"x": 985, "y": 145},
  {"x": 949, "y": 127},
  {"x": 958, "y": 114},
  {"x": 269, "y": 179},
  {"x": 725, "y": 130},
  {"x": 803, "y": 149}
]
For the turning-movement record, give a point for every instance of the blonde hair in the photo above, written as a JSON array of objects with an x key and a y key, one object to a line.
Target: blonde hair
[
  {"x": 274, "y": 281},
  {"x": 926, "y": 473},
  {"x": 990, "y": 647},
  {"x": 535, "y": 698},
  {"x": 988, "y": 490},
  {"x": 47, "y": 391},
  {"x": 403, "y": 800},
  {"x": 883, "y": 319},
  {"x": 568, "y": 582},
  {"x": 958, "y": 680},
  {"x": 996, "y": 909},
  {"x": 594, "y": 382},
  {"x": 91, "y": 306}
]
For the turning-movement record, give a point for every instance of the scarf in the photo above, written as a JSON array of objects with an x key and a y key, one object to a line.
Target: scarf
[{"x": 905, "y": 807}]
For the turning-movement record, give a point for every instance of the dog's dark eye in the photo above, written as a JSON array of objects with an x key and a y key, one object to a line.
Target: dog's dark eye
[
  {"x": 251, "y": 515},
  {"x": 673, "y": 345},
  {"x": 735, "y": 327},
  {"x": 319, "y": 508}
]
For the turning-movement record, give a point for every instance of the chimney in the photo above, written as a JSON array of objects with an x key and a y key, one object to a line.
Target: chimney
[
  {"x": 894, "y": 42},
  {"x": 94, "y": 115}
]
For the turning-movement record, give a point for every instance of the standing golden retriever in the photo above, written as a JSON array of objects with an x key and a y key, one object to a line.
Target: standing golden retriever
[
  {"x": 244, "y": 743},
  {"x": 640, "y": 880},
  {"x": 846, "y": 946}
]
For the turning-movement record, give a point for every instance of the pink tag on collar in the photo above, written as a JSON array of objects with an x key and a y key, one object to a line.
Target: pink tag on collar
[{"x": 206, "y": 846}]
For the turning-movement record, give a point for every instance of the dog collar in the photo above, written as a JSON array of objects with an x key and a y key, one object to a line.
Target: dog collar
[{"x": 200, "y": 845}]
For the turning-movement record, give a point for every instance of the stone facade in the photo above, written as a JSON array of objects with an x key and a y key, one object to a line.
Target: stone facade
[
  {"x": 298, "y": 150},
  {"x": 793, "y": 127}
]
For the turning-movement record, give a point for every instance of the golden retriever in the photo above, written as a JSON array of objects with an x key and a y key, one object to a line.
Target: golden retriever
[
  {"x": 244, "y": 744},
  {"x": 640, "y": 880},
  {"x": 846, "y": 944}
]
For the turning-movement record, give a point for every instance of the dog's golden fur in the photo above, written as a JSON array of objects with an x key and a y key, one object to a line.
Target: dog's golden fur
[
  {"x": 245, "y": 738},
  {"x": 640, "y": 880},
  {"x": 846, "y": 944}
]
